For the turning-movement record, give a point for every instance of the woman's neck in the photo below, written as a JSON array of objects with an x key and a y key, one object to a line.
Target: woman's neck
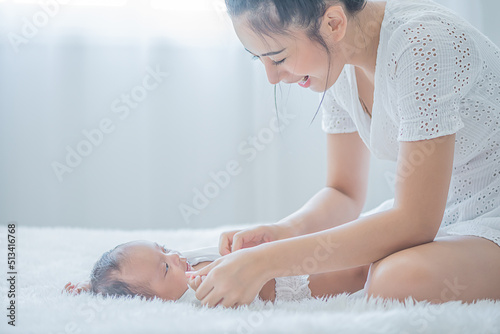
[{"x": 363, "y": 38}]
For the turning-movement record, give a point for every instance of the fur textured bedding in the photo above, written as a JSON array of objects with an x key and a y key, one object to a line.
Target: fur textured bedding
[{"x": 47, "y": 258}]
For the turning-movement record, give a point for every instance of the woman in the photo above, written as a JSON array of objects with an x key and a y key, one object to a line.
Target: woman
[{"x": 409, "y": 81}]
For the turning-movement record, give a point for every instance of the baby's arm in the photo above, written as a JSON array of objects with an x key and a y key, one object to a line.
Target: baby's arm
[{"x": 76, "y": 289}]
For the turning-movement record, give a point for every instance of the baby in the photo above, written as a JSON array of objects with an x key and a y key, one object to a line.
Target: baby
[{"x": 144, "y": 268}]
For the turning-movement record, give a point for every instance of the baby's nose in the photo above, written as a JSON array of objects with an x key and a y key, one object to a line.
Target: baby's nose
[{"x": 175, "y": 257}]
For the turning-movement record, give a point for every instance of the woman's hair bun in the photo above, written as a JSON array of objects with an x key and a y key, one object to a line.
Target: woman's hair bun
[{"x": 354, "y": 5}]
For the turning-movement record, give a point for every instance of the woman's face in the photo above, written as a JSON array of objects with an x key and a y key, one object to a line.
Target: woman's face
[
  {"x": 161, "y": 269},
  {"x": 292, "y": 58}
]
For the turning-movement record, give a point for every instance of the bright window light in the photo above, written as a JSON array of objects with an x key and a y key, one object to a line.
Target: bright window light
[
  {"x": 106, "y": 3},
  {"x": 191, "y": 5}
]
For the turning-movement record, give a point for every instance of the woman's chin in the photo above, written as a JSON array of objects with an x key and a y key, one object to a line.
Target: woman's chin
[{"x": 319, "y": 87}]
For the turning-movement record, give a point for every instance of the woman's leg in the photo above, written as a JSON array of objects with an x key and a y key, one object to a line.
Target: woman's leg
[
  {"x": 335, "y": 282},
  {"x": 463, "y": 268}
]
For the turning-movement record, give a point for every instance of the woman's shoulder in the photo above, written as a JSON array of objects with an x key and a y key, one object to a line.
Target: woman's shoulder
[
  {"x": 409, "y": 21},
  {"x": 424, "y": 32},
  {"x": 398, "y": 12}
]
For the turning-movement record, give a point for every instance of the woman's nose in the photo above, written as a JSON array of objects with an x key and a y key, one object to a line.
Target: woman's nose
[{"x": 274, "y": 75}]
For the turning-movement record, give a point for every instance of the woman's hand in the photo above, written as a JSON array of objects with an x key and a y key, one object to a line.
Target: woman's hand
[
  {"x": 232, "y": 280},
  {"x": 76, "y": 289},
  {"x": 232, "y": 241}
]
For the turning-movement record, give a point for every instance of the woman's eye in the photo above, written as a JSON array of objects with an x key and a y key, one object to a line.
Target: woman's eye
[
  {"x": 255, "y": 57},
  {"x": 276, "y": 63}
]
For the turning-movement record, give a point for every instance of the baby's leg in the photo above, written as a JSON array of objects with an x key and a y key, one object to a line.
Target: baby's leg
[{"x": 336, "y": 282}]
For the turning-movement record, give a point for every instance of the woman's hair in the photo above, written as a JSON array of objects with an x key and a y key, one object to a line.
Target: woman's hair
[
  {"x": 277, "y": 16},
  {"x": 268, "y": 17},
  {"x": 104, "y": 277}
]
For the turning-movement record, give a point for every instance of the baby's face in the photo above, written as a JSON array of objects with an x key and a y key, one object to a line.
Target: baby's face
[{"x": 162, "y": 269}]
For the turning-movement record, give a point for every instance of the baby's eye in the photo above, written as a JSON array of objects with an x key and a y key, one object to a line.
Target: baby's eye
[{"x": 166, "y": 265}]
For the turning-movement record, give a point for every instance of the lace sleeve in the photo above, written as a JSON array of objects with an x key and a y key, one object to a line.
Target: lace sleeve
[
  {"x": 436, "y": 65},
  {"x": 335, "y": 118}
]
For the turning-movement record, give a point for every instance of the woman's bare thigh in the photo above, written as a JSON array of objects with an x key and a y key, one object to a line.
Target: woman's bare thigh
[
  {"x": 463, "y": 268},
  {"x": 340, "y": 281}
]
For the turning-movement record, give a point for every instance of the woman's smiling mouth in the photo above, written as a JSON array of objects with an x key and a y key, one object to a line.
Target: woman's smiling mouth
[{"x": 306, "y": 82}]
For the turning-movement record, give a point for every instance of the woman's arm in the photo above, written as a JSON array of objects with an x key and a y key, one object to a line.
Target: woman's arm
[
  {"x": 341, "y": 201},
  {"x": 423, "y": 177},
  {"x": 422, "y": 182}
]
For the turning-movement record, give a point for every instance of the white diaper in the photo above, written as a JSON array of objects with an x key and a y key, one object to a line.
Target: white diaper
[{"x": 292, "y": 288}]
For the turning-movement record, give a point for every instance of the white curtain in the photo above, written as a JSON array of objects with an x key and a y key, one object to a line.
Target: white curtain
[
  {"x": 138, "y": 114},
  {"x": 120, "y": 116}
]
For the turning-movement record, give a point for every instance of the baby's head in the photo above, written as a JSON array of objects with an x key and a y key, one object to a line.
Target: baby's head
[{"x": 141, "y": 268}]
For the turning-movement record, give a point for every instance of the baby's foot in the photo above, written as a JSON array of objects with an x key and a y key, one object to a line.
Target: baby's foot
[{"x": 78, "y": 288}]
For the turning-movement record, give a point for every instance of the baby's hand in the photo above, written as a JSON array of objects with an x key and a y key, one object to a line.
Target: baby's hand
[
  {"x": 76, "y": 289},
  {"x": 195, "y": 281}
]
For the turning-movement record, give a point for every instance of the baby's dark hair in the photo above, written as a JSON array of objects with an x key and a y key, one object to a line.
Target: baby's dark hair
[
  {"x": 104, "y": 277},
  {"x": 278, "y": 16}
]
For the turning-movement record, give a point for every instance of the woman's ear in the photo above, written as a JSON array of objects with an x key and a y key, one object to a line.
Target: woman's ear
[{"x": 334, "y": 24}]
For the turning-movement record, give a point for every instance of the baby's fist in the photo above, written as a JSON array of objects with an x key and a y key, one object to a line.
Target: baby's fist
[{"x": 195, "y": 281}]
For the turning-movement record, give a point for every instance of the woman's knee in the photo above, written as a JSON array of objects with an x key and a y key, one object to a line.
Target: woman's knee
[{"x": 397, "y": 276}]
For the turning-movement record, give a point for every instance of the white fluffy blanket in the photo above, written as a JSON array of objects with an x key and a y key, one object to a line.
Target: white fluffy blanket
[{"x": 47, "y": 258}]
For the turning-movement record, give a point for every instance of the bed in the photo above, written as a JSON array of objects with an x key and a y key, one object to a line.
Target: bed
[{"x": 47, "y": 258}]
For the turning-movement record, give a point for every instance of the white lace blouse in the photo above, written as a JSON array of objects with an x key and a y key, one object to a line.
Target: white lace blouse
[{"x": 435, "y": 75}]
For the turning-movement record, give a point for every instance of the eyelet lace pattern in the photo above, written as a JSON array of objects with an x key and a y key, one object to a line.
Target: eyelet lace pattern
[
  {"x": 292, "y": 288},
  {"x": 436, "y": 75}
]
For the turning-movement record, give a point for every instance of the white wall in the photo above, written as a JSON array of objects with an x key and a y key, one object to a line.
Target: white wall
[
  {"x": 490, "y": 22},
  {"x": 65, "y": 79}
]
